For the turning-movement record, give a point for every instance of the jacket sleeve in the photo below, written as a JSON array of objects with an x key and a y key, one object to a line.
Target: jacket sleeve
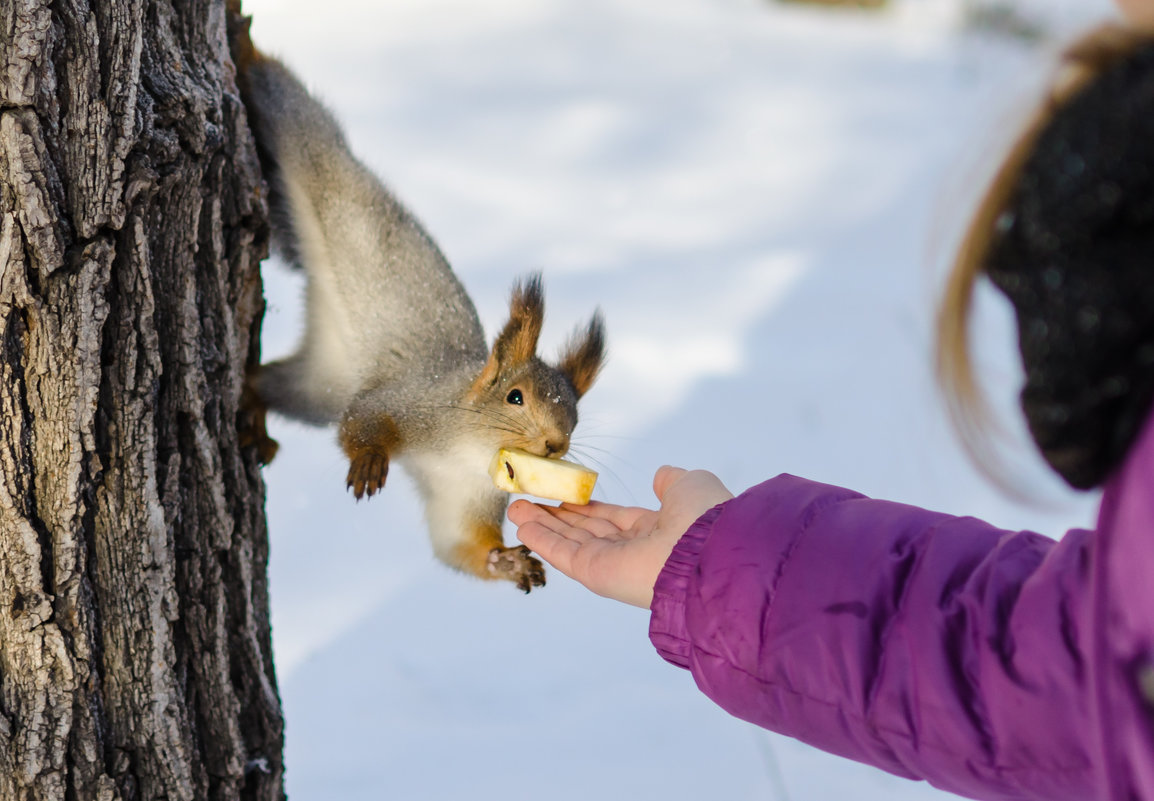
[{"x": 930, "y": 646}]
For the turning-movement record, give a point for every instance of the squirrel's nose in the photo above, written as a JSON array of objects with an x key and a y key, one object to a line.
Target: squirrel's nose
[{"x": 556, "y": 447}]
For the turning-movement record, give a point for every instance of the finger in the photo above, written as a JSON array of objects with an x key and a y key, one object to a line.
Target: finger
[
  {"x": 522, "y": 511},
  {"x": 624, "y": 517},
  {"x": 539, "y": 516},
  {"x": 550, "y": 546},
  {"x": 595, "y": 525},
  {"x": 665, "y": 477},
  {"x": 552, "y": 520}
]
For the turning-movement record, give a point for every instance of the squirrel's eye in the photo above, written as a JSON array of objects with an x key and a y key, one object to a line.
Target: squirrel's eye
[{"x": 515, "y": 397}]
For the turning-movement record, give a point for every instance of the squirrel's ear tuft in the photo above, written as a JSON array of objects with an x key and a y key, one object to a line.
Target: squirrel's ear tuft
[
  {"x": 584, "y": 355},
  {"x": 517, "y": 342}
]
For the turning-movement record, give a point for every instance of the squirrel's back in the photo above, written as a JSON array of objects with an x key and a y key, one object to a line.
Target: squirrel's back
[{"x": 382, "y": 300}]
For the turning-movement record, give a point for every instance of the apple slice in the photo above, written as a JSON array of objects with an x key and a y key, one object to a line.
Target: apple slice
[{"x": 515, "y": 470}]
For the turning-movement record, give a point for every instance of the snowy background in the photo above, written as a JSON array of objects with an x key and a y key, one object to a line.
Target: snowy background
[{"x": 760, "y": 197}]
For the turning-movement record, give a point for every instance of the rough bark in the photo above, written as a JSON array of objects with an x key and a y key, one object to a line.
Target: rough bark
[{"x": 135, "y": 657}]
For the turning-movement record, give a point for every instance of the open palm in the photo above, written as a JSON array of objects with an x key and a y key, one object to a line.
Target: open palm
[{"x": 618, "y": 551}]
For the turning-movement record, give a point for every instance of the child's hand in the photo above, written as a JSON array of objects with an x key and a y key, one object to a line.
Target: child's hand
[{"x": 617, "y": 551}]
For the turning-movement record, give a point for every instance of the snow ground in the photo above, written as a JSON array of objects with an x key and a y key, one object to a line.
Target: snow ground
[{"x": 758, "y": 196}]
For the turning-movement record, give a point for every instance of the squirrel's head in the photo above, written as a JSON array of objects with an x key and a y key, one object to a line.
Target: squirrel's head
[{"x": 530, "y": 404}]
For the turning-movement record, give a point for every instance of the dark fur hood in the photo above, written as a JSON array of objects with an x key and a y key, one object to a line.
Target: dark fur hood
[{"x": 1074, "y": 253}]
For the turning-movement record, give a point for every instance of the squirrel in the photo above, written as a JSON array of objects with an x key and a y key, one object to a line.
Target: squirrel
[{"x": 393, "y": 351}]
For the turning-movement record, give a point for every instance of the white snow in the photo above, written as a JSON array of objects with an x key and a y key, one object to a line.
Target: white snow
[{"x": 759, "y": 196}]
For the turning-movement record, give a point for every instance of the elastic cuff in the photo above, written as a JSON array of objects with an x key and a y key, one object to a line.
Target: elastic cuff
[{"x": 667, "y": 629}]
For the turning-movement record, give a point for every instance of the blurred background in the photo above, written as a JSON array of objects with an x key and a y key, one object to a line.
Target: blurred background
[{"x": 762, "y": 198}]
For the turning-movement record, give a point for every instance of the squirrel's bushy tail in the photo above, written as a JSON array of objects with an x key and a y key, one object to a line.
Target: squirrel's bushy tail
[
  {"x": 302, "y": 149},
  {"x": 280, "y": 107}
]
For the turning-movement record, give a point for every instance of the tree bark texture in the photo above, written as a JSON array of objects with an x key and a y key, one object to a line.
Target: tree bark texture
[{"x": 135, "y": 656}]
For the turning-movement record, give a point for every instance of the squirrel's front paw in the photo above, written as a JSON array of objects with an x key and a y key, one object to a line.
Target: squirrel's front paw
[
  {"x": 367, "y": 472},
  {"x": 517, "y": 565},
  {"x": 367, "y": 440}
]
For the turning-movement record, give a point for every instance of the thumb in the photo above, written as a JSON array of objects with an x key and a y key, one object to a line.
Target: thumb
[{"x": 665, "y": 478}]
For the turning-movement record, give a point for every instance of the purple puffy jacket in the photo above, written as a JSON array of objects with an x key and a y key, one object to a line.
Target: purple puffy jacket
[{"x": 993, "y": 664}]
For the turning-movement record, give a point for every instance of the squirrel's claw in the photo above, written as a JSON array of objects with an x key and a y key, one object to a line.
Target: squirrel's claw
[
  {"x": 367, "y": 473},
  {"x": 367, "y": 440},
  {"x": 266, "y": 449},
  {"x": 519, "y": 566},
  {"x": 534, "y": 576},
  {"x": 253, "y": 433}
]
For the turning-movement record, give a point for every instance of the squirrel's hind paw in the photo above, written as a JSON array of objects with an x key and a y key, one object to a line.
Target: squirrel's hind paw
[
  {"x": 517, "y": 565},
  {"x": 257, "y": 437},
  {"x": 251, "y": 423},
  {"x": 367, "y": 473}
]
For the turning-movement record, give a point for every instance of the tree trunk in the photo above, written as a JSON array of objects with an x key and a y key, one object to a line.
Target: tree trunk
[{"x": 135, "y": 657}]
